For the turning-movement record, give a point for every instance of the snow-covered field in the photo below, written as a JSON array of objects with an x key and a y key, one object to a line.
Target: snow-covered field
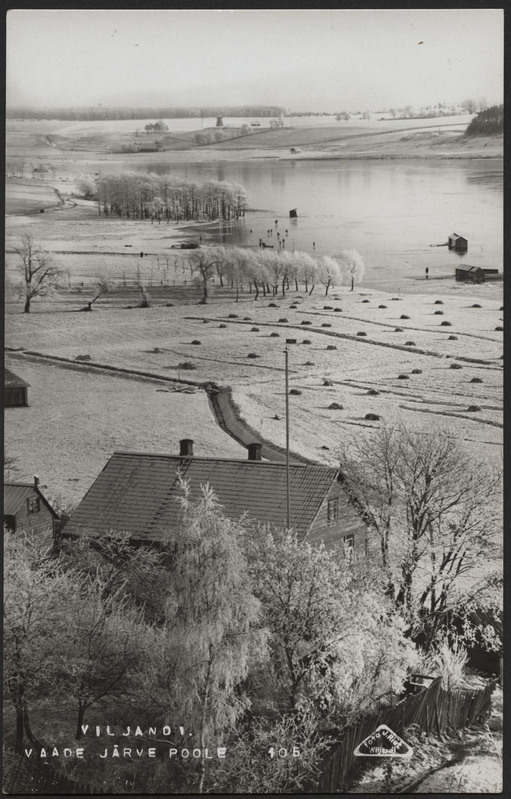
[{"x": 77, "y": 419}]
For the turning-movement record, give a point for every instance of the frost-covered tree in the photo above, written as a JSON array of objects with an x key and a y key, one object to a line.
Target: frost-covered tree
[
  {"x": 329, "y": 272},
  {"x": 353, "y": 265},
  {"x": 434, "y": 511},
  {"x": 335, "y": 643},
  {"x": 213, "y": 620}
]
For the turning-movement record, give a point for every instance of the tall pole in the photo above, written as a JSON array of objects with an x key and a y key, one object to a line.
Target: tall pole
[{"x": 288, "y": 514}]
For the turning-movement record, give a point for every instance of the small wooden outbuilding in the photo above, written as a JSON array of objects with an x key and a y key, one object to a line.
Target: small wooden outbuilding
[
  {"x": 26, "y": 508},
  {"x": 458, "y": 243},
  {"x": 15, "y": 390},
  {"x": 473, "y": 274}
]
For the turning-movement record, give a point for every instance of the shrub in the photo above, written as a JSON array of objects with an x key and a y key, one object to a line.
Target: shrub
[
  {"x": 169, "y": 305},
  {"x": 272, "y": 305},
  {"x": 83, "y": 358},
  {"x": 247, "y": 318},
  {"x": 439, "y": 313},
  {"x": 455, "y": 366},
  {"x": 452, "y": 338},
  {"x": 476, "y": 305},
  {"x": 196, "y": 341},
  {"x": 403, "y": 377},
  {"x": 373, "y": 392},
  {"x": 328, "y": 382},
  {"x": 327, "y": 307},
  {"x": 253, "y": 355},
  {"x": 232, "y": 316},
  {"x": 283, "y": 319},
  {"x": 410, "y": 344},
  {"x": 361, "y": 333},
  {"x": 274, "y": 335},
  {"x": 382, "y": 306},
  {"x": 404, "y": 316},
  {"x": 306, "y": 341},
  {"x": 326, "y": 324},
  {"x": 331, "y": 347},
  {"x": 446, "y": 324},
  {"x": 365, "y": 300},
  {"x": 439, "y": 302},
  {"x": 309, "y": 363},
  {"x": 474, "y": 408},
  {"x": 187, "y": 365},
  {"x": 305, "y": 322},
  {"x": 398, "y": 330},
  {"x": 337, "y": 310},
  {"x": 372, "y": 417},
  {"x": 254, "y": 330},
  {"x": 447, "y": 661},
  {"x": 416, "y": 371},
  {"x": 205, "y": 321},
  {"x": 476, "y": 380},
  {"x": 499, "y": 328},
  {"x": 222, "y": 325},
  {"x": 335, "y": 406},
  {"x": 295, "y": 392}
]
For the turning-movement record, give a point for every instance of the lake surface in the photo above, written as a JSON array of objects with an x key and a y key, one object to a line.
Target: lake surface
[{"x": 391, "y": 211}]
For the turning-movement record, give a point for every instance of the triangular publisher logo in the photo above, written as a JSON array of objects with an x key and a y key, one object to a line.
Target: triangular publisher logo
[{"x": 383, "y": 743}]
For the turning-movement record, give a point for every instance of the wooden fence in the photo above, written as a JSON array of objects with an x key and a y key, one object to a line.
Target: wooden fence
[{"x": 434, "y": 710}]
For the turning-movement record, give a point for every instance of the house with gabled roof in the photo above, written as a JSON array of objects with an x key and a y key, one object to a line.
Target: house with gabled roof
[
  {"x": 138, "y": 493},
  {"x": 27, "y": 509}
]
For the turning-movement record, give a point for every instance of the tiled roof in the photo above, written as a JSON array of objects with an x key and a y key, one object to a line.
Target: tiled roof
[
  {"x": 10, "y": 379},
  {"x": 138, "y": 493}
]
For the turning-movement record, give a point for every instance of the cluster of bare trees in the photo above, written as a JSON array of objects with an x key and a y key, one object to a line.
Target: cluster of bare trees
[
  {"x": 146, "y": 196},
  {"x": 270, "y": 272}
]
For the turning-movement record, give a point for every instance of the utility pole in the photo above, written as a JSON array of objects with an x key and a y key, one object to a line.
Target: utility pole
[{"x": 288, "y": 511}]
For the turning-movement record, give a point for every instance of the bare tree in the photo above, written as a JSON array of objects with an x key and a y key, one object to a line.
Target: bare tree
[
  {"x": 203, "y": 263},
  {"x": 434, "y": 511},
  {"x": 103, "y": 286},
  {"x": 40, "y": 275}
]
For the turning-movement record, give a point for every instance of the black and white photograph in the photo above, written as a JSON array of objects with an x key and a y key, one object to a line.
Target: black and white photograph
[{"x": 253, "y": 402}]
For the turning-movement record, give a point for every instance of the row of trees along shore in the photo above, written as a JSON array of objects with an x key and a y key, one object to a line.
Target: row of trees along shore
[
  {"x": 270, "y": 272},
  {"x": 243, "y": 636},
  {"x": 260, "y": 272},
  {"x": 145, "y": 196},
  {"x": 129, "y": 112}
]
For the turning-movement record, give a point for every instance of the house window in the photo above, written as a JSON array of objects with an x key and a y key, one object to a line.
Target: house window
[
  {"x": 349, "y": 546},
  {"x": 33, "y": 505},
  {"x": 332, "y": 510}
]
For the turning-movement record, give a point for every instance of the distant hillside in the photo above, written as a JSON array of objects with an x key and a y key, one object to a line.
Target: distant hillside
[
  {"x": 489, "y": 122},
  {"x": 106, "y": 112}
]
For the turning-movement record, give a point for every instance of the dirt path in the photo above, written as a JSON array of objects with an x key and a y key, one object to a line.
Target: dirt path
[
  {"x": 228, "y": 417},
  {"x": 223, "y": 408}
]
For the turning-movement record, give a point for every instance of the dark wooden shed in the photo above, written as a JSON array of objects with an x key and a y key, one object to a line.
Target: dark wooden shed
[
  {"x": 15, "y": 390},
  {"x": 473, "y": 274},
  {"x": 458, "y": 243},
  {"x": 293, "y": 213}
]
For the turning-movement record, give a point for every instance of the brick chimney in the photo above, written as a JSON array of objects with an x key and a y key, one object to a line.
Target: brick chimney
[
  {"x": 254, "y": 452},
  {"x": 186, "y": 447},
  {"x": 36, "y": 481}
]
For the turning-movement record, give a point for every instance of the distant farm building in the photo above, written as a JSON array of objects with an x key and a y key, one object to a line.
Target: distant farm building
[
  {"x": 15, "y": 390},
  {"x": 149, "y": 147},
  {"x": 219, "y": 122},
  {"x": 473, "y": 274},
  {"x": 293, "y": 213},
  {"x": 138, "y": 493},
  {"x": 458, "y": 243},
  {"x": 27, "y": 509}
]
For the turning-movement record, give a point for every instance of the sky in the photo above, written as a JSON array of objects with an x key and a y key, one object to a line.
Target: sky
[{"x": 302, "y": 59}]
